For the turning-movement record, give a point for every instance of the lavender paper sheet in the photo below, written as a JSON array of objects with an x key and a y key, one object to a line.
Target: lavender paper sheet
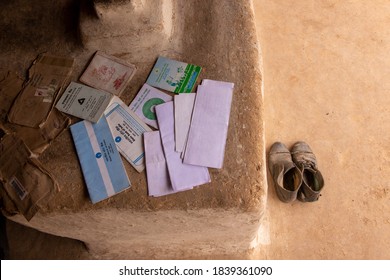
[
  {"x": 209, "y": 125},
  {"x": 207, "y": 82},
  {"x": 156, "y": 167},
  {"x": 183, "y": 103},
  {"x": 183, "y": 176},
  {"x": 157, "y": 174}
]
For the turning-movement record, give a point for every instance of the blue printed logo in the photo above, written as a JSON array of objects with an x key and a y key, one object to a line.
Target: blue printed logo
[
  {"x": 118, "y": 139},
  {"x": 98, "y": 155}
]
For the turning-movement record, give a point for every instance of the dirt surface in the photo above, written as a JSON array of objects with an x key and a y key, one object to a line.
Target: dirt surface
[
  {"x": 326, "y": 67},
  {"x": 219, "y": 36},
  {"x": 231, "y": 186}
]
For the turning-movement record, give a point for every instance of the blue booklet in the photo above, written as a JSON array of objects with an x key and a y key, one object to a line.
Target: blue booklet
[{"x": 102, "y": 166}]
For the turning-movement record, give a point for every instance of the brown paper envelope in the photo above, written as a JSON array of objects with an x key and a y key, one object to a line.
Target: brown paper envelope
[
  {"x": 47, "y": 77},
  {"x": 28, "y": 184}
]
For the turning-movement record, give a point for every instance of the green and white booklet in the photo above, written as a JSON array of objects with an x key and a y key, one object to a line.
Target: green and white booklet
[{"x": 174, "y": 76}]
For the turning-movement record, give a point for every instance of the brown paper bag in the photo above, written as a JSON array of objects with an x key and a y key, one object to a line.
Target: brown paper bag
[
  {"x": 36, "y": 139},
  {"x": 47, "y": 77},
  {"x": 8, "y": 208},
  {"x": 27, "y": 183},
  {"x": 10, "y": 86}
]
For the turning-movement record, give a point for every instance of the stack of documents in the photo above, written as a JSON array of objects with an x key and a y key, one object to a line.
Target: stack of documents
[
  {"x": 183, "y": 176},
  {"x": 192, "y": 127},
  {"x": 109, "y": 126},
  {"x": 192, "y": 137}
]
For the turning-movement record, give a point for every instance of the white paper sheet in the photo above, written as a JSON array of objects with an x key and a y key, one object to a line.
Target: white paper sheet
[
  {"x": 209, "y": 125},
  {"x": 183, "y": 103},
  {"x": 127, "y": 130},
  {"x": 183, "y": 176},
  {"x": 84, "y": 102}
]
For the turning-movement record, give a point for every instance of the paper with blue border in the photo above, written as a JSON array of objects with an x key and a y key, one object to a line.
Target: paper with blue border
[
  {"x": 127, "y": 129},
  {"x": 101, "y": 164}
]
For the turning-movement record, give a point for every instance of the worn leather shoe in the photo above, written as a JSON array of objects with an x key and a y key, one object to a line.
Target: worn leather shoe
[
  {"x": 312, "y": 180},
  {"x": 286, "y": 176}
]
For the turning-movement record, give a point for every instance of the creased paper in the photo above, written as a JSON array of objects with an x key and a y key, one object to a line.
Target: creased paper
[
  {"x": 208, "y": 131},
  {"x": 183, "y": 176}
]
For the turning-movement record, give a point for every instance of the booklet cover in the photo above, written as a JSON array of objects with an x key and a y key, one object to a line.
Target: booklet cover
[
  {"x": 84, "y": 102},
  {"x": 108, "y": 73},
  {"x": 101, "y": 164},
  {"x": 127, "y": 130},
  {"x": 145, "y": 101},
  {"x": 174, "y": 76}
]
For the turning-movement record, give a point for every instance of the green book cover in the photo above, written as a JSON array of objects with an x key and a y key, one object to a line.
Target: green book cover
[{"x": 174, "y": 76}]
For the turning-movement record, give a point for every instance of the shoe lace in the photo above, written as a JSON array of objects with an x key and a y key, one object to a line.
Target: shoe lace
[{"x": 306, "y": 161}]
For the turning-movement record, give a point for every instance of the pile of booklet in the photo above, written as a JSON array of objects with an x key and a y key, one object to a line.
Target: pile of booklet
[
  {"x": 176, "y": 137},
  {"x": 191, "y": 135}
]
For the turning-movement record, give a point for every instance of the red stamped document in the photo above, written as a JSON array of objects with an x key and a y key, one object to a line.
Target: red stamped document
[{"x": 108, "y": 73}]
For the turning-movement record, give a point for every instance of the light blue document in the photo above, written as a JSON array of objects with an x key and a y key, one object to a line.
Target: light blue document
[{"x": 102, "y": 166}]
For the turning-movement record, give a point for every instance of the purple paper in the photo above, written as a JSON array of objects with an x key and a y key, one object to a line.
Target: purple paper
[
  {"x": 156, "y": 168},
  {"x": 208, "y": 131},
  {"x": 183, "y": 176}
]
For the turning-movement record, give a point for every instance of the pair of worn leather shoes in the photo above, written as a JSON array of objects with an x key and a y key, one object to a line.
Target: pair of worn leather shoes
[{"x": 295, "y": 174}]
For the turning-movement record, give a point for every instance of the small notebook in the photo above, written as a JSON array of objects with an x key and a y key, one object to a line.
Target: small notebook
[
  {"x": 108, "y": 73},
  {"x": 101, "y": 164},
  {"x": 127, "y": 130},
  {"x": 84, "y": 102},
  {"x": 174, "y": 76},
  {"x": 143, "y": 104}
]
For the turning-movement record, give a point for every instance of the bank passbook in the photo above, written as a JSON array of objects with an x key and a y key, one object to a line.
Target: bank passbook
[
  {"x": 127, "y": 129},
  {"x": 101, "y": 164},
  {"x": 84, "y": 102}
]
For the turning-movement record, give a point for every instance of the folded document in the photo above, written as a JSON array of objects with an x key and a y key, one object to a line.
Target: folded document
[
  {"x": 209, "y": 125},
  {"x": 102, "y": 166},
  {"x": 156, "y": 166},
  {"x": 183, "y": 112},
  {"x": 183, "y": 176},
  {"x": 127, "y": 130},
  {"x": 84, "y": 102}
]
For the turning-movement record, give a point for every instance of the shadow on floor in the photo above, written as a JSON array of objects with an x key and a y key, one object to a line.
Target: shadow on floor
[{"x": 30, "y": 244}]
